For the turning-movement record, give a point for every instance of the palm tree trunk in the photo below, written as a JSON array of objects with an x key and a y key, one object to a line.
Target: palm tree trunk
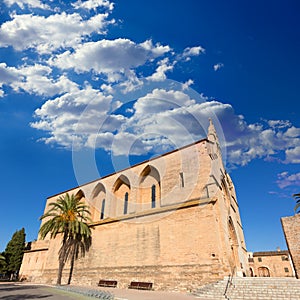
[
  {"x": 60, "y": 269},
  {"x": 61, "y": 259},
  {"x": 71, "y": 267}
]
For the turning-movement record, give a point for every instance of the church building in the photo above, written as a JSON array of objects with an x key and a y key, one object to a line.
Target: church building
[{"x": 172, "y": 221}]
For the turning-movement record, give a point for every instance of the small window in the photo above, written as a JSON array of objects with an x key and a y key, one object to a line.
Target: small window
[
  {"x": 259, "y": 259},
  {"x": 181, "y": 180},
  {"x": 153, "y": 195},
  {"x": 284, "y": 258},
  {"x": 286, "y": 270},
  {"x": 102, "y": 210},
  {"x": 126, "y": 203}
]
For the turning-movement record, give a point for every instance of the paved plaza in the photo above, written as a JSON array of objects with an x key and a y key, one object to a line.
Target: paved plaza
[
  {"x": 11, "y": 291},
  {"x": 17, "y": 291}
]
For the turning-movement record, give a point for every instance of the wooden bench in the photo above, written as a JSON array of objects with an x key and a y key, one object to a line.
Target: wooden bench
[
  {"x": 107, "y": 283},
  {"x": 140, "y": 285}
]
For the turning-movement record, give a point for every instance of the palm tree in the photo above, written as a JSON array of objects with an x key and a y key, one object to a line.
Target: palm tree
[
  {"x": 297, "y": 198},
  {"x": 68, "y": 216}
]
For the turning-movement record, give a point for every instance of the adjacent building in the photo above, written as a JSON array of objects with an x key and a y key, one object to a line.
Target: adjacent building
[{"x": 271, "y": 264}]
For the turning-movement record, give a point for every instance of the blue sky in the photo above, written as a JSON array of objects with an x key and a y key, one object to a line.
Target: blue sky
[{"x": 88, "y": 87}]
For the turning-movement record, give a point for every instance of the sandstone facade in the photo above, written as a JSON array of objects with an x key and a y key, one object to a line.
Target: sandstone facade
[
  {"x": 291, "y": 229},
  {"x": 173, "y": 220},
  {"x": 271, "y": 264}
]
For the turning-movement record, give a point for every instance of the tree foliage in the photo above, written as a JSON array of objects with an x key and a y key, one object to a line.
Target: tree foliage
[
  {"x": 297, "y": 206},
  {"x": 14, "y": 252},
  {"x": 3, "y": 265},
  {"x": 68, "y": 217}
]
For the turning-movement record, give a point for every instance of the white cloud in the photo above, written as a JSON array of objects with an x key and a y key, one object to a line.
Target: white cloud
[
  {"x": 158, "y": 121},
  {"x": 246, "y": 142},
  {"x": 218, "y": 66},
  {"x": 68, "y": 118},
  {"x": 111, "y": 57},
  {"x": 130, "y": 83},
  {"x": 161, "y": 120},
  {"x": 279, "y": 123},
  {"x": 156, "y": 50},
  {"x": 192, "y": 51},
  {"x": 293, "y": 155},
  {"x": 187, "y": 84},
  {"x": 29, "y": 3},
  {"x": 160, "y": 72},
  {"x": 7, "y": 74},
  {"x": 35, "y": 79},
  {"x": 47, "y": 34},
  {"x": 93, "y": 4},
  {"x": 285, "y": 179}
]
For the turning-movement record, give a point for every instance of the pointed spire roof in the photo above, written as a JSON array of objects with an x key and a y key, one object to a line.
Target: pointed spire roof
[{"x": 212, "y": 133}]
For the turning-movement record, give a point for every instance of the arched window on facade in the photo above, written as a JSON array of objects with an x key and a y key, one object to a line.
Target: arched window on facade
[
  {"x": 102, "y": 210},
  {"x": 121, "y": 190},
  {"x": 153, "y": 195},
  {"x": 149, "y": 189},
  {"x": 125, "y": 203},
  {"x": 96, "y": 204},
  {"x": 80, "y": 194}
]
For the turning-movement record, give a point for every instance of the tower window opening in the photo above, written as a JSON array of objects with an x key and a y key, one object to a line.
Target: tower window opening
[
  {"x": 102, "y": 210},
  {"x": 181, "y": 179},
  {"x": 153, "y": 195},
  {"x": 125, "y": 203}
]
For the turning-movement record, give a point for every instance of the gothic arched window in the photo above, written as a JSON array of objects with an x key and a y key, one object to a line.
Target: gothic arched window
[
  {"x": 125, "y": 203},
  {"x": 102, "y": 209},
  {"x": 153, "y": 195}
]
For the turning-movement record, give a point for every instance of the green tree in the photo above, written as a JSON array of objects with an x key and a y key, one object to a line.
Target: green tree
[
  {"x": 297, "y": 206},
  {"x": 3, "y": 265},
  {"x": 68, "y": 217},
  {"x": 14, "y": 252}
]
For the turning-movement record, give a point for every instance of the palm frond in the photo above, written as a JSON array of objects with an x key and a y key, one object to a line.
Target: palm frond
[{"x": 297, "y": 198}]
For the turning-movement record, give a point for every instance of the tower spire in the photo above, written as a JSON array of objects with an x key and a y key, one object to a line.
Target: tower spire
[{"x": 212, "y": 133}]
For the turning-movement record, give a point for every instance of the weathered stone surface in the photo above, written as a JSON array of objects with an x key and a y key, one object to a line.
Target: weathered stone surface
[
  {"x": 291, "y": 228},
  {"x": 181, "y": 227},
  {"x": 271, "y": 264}
]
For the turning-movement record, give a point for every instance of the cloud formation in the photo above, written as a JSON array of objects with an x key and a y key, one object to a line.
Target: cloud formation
[
  {"x": 285, "y": 180},
  {"x": 218, "y": 66},
  {"x": 29, "y": 3},
  {"x": 48, "y": 34},
  {"x": 82, "y": 74},
  {"x": 192, "y": 51},
  {"x": 165, "y": 119},
  {"x": 93, "y": 4},
  {"x": 110, "y": 57}
]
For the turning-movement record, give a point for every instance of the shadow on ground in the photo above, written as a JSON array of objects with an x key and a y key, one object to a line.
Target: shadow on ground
[
  {"x": 24, "y": 296},
  {"x": 13, "y": 290}
]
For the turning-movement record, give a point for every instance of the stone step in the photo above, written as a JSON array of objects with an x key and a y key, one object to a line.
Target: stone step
[{"x": 252, "y": 288}]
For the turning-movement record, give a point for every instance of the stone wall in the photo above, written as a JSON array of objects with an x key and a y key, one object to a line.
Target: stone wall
[
  {"x": 271, "y": 264},
  {"x": 190, "y": 236},
  {"x": 291, "y": 229}
]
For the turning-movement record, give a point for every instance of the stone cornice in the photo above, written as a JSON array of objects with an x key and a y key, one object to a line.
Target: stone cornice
[{"x": 158, "y": 210}]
